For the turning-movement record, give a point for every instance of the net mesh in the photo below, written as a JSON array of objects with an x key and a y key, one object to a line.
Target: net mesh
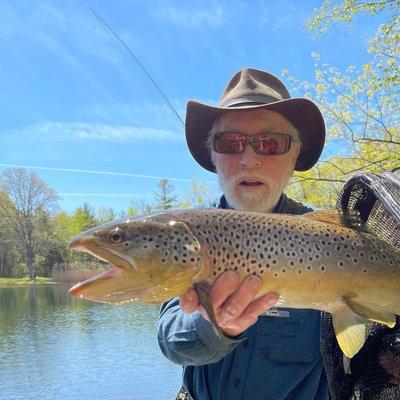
[{"x": 375, "y": 370}]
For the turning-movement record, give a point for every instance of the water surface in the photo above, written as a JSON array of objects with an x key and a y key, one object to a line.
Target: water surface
[{"x": 54, "y": 346}]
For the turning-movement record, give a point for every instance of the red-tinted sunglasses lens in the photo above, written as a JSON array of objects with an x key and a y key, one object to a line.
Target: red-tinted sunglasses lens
[
  {"x": 230, "y": 143},
  {"x": 263, "y": 143},
  {"x": 270, "y": 144}
]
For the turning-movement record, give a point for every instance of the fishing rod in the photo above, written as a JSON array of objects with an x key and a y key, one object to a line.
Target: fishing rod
[{"x": 132, "y": 54}]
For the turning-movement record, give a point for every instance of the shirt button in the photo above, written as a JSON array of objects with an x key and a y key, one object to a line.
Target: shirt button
[{"x": 236, "y": 383}]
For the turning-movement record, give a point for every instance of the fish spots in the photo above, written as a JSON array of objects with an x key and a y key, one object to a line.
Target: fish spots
[{"x": 277, "y": 245}]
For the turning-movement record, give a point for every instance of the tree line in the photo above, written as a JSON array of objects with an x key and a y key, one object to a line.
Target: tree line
[{"x": 35, "y": 233}]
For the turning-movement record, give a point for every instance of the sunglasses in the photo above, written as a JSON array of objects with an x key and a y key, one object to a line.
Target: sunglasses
[{"x": 267, "y": 144}]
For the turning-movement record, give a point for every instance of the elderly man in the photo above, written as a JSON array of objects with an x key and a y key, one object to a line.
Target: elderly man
[{"x": 254, "y": 141}]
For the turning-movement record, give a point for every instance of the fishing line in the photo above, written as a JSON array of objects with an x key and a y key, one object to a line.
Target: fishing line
[{"x": 107, "y": 27}]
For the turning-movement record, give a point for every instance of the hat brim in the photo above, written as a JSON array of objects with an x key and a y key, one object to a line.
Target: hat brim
[{"x": 303, "y": 114}]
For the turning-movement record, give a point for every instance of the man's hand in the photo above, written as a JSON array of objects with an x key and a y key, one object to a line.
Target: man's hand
[{"x": 233, "y": 301}]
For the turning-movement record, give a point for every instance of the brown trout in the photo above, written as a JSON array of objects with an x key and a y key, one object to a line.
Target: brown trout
[{"x": 314, "y": 261}]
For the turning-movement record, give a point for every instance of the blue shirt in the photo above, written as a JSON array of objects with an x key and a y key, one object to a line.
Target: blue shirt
[{"x": 277, "y": 358}]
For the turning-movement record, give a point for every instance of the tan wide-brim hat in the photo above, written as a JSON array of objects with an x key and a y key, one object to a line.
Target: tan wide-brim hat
[{"x": 254, "y": 89}]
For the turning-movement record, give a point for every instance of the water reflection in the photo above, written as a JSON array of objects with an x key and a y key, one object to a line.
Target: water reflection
[{"x": 54, "y": 346}]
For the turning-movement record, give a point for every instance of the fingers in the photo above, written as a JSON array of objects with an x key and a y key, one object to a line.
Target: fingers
[
  {"x": 189, "y": 301},
  {"x": 235, "y": 302},
  {"x": 259, "y": 306},
  {"x": 223, "y": 287},
  {"x": 240, "y": 299},
  {"x": 249, "y": 316}
]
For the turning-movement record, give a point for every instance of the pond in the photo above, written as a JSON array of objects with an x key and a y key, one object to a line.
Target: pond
[{"x": 54, "y": 346}]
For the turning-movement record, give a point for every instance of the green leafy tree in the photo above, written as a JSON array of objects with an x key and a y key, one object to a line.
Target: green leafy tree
[
  {"x": 132, "y": 211},
  {"x": 165, "y": 197},
  {"x": 59, "y": 250},
  {"x": 26, "y": 207},
  {"x": 360, "y": 105},
  {"x": 83, "y": 218},
  {"x": 199, "y": 194},
  {"x": 8, "y": 251},
  {"x": 137, "y": 208},
  {"x": 333, "y": 12},
  {"x": 105, "y": 214}
]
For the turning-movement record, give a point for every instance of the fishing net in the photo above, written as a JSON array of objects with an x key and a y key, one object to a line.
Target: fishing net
[{"x": 374, "y": 373}]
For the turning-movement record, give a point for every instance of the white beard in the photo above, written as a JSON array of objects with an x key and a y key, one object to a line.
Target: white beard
[{"x": 262, "y": 200}]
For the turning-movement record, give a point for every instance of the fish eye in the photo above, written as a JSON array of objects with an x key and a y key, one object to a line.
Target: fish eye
[{"x": 117, "y": 235}]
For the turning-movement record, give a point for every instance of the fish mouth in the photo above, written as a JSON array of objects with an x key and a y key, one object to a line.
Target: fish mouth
[
  {"x": 115, "y": 286},
  {"x": 79, "y": 289},
  {"x": 111, "y": 256}
]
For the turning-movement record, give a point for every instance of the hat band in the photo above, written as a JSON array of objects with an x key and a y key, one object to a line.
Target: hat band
[{"x": 237, "y": 101}]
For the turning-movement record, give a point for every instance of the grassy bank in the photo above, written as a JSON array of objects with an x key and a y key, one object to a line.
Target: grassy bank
[{"x": 24, "y": 281}]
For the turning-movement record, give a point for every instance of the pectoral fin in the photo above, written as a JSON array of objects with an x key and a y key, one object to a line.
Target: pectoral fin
[
  {"x": 203, "y": 291},
  {"x": 350, "y": 330},
  {"x": 372, "y": 312}
]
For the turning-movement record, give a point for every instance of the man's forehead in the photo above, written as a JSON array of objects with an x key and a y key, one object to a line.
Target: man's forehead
[{"x": 263, "y": 118}]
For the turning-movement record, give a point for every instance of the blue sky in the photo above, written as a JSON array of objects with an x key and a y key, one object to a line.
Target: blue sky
[{"x": 74, "y": 103}]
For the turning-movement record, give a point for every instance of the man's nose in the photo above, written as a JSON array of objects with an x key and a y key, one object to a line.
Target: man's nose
[{"x": 249, "y": 159}]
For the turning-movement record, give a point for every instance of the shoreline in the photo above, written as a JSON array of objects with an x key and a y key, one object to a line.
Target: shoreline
[{"x": 40, "y": 280}]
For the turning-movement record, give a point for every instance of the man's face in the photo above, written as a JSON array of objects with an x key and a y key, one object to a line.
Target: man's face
[{"x": 250, "y": 181}]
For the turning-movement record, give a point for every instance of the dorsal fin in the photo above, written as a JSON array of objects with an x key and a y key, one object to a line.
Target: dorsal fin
[
  {"x": 338, "y": 218},
  {"x": 333, "y": 217}
]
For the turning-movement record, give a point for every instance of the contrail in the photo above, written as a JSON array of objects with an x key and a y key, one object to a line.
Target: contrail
[
  {"x": 87, "y": 171},
  {"x": 103, "y": 194}
]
